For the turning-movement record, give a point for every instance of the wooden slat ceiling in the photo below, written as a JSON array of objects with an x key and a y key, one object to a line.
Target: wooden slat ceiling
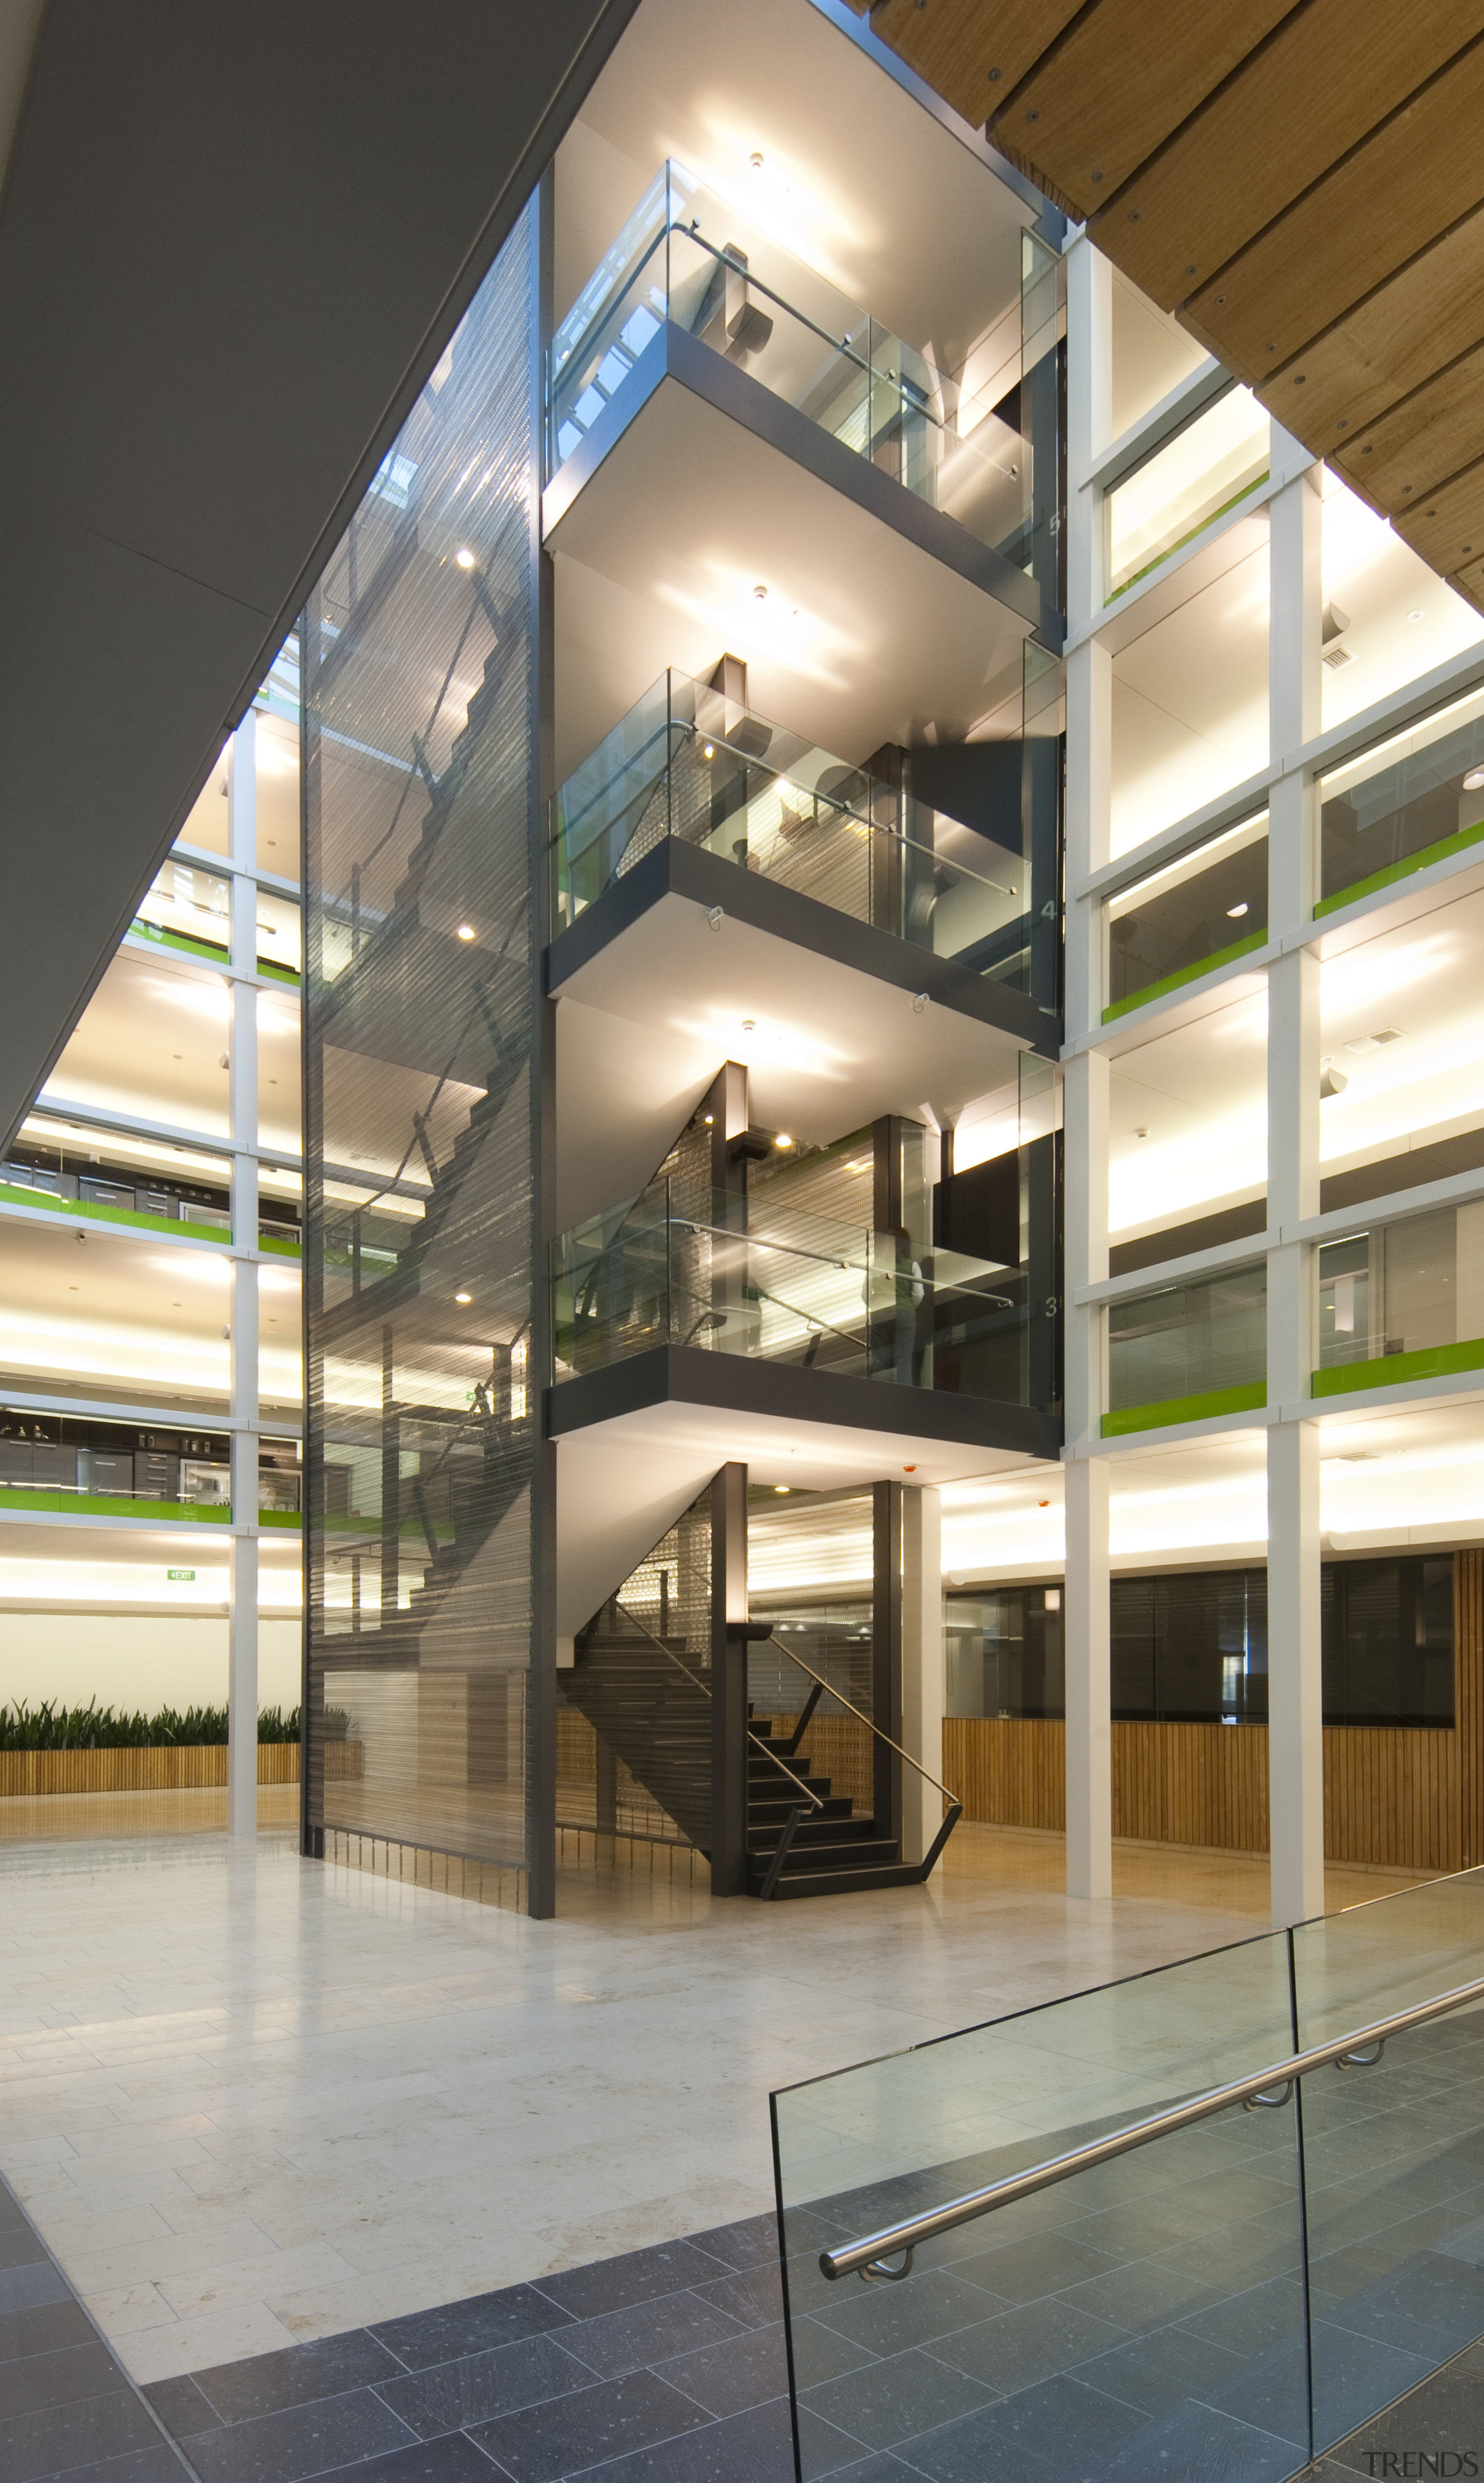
[{"x": 1301, "y": 187}]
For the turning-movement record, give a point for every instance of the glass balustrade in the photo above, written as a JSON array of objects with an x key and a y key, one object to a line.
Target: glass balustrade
[
  {"x": 1403, "y": 1300},
  {"x": 714, "y": 268},
  {"x": 688, "y": 763},
  {"x": 1413, "y": 800},
  {"x": 1182, "y": 1352},
  {"x": 1204, "y": 470},
  {"x": 1230, "y": 2297},
  {"x": 1195, "y": 914},
  {"x": 777, "y": 1286},
  {"x": 189, "y": 909}
]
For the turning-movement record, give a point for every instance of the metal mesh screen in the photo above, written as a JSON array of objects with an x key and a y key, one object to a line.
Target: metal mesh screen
[{"x": 419, "y": 1137}]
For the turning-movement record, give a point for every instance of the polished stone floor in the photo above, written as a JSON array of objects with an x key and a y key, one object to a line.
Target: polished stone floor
[{"x": 250, "y": 2101}]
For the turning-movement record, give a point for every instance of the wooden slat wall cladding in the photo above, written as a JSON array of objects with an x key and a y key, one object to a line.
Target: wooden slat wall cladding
[
  {"x": 178, "y": 1769},
  {"x": 1468, "y": 1703},
  {"x": 1301, "y": 185},
  {"x": 1389, "y": 1797}
]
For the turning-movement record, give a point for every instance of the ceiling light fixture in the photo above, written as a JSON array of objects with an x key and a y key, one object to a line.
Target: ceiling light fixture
[
  {"x": 1235, "y": 912},
  {"x": 1141, "y": 1134},
  {"x": 760, "y": 595},
  {"x": 1474, "y": 782},
  {"x": 465, "y": 930},
  {"x": 465, "y": 558},
  {"x": 754, "y": 160},
  {"x": 463, "y": 1297},
  {"x": 708, "y": 750},
  {"x": 1332, "y": 1081},
  {"x": 1416, "y": 614},
  {"x": 781, "y": 1140}
]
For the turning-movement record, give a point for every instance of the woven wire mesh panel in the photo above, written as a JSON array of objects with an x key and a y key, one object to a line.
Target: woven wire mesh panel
[{"x": 420, "y": 1429}]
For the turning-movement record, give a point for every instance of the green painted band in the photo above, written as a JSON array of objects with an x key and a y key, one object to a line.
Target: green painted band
[
  {"x": 1392, "y": 1370},
  {"x": 1186, "y": 974},
  {"x": 1459, "y": 843},
  {"x": 1187, "y": 1409}
]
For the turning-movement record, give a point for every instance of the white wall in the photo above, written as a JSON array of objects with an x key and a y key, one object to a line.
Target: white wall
[{"x": 129, "y": 1660}]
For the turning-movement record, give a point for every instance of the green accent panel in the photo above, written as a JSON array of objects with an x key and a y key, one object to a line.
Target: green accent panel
[
  {"x": 1182, "y": 541},
  {"x": 1458, "y": 842},
  {"x": 211, "y": 950},
  {"x": 1186, "y": 974},
  {"x": 96, "y": 1212},
  {"x": 98, "y": 1503},
  {"x": 278, "y": 973},
  {"x": 279, "y": 1518},
  {"x": 1188, "y": 1410},
  {"x": 1390, "y": 1370},
  {"x": 280, "y": 1246}
]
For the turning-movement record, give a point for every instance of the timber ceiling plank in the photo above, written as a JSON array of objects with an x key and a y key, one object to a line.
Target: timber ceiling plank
[
  {"x": 1422, "y": 318},
  {"x": 1114, "y": 89},
  {"x": 1470, "y": 581},
  {"x": 1265, "y": 138},
  {"x": 1447, "y": 530},
  {"x": 1419, "y": 173},
  {"x": 968, "y": 53},
  {"x": 1430, "y": 436}
]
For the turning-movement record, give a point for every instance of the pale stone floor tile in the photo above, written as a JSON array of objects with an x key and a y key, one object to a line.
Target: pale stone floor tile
[{"x": 345, "y": 2097}]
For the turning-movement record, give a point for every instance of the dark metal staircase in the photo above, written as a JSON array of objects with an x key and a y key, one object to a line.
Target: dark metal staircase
[
  {"x": 650, "y": 1702},
  {"x": 830, "y": 1849}
]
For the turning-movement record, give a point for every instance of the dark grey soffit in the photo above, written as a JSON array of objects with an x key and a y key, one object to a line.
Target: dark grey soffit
[
  {"x": 232, "y": 245},
  {"x": 689, "y": 1375}
]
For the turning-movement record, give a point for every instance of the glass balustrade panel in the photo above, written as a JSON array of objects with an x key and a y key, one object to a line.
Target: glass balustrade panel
[
  {"x": 1402, "y": 1300},
  {"x": 1197, "y": 913},
  {"x": 1142, "y": 2317},
  {"x": 1194, "y": 478},
  {"x": 1416, "y": 799},
  {"x": 188, "y": 908},
  {"x": 1187, "y": 1350},
  {"x": 280, "y": 937},
  {"x": 1394, "y": 2149}
]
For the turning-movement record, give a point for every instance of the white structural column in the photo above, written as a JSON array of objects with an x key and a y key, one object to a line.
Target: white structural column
[
  {"x": 1085, "y": 1104},
  {"x": 242, "y": 1625},
  {"x": 1296, "y": 1705},
  {"x": 922, "y": 1667}
]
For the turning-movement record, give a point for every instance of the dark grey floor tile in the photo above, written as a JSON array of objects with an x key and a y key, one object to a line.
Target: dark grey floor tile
[
  {"x": 1271, "y": 2390},
  {"x": 651, "y": 2331},
  {"x": 753, "y": 2243},
  {"x": 892, "y": 2401},
  {"x": 753, "y": 2448},
  {"x": 745, "y": 2370},
  {"x": 1427, "y": 2304},
  {"x": 478, "y": 2387},
  {"x": 60, "y": 2438},
  {"x": 1193, "y": 2444},
  {"x": 1071, "y": 2426},
  {"x": 1446, "y": 2415},
  {"x": 1018, "y": 2348},
  {"x": 888, "y": 2318},
  {"x": 472, "y": 2327},
  {"x": 1146, "y": 2295},
  {"x": 298, "y": 2441},
  {"x": 639, "y": 2276},
  {"x": 44, "y": 2329},
  {"x": 1026, "y": 2271},
  {"x": 160, "y": 2464},
  {"x": 968, "y": 2451},
  {"x": 823, "y": 2353},
  {"x": 26, "y": 2289},
  {"x": 1355, "y": 2377},
  {"x": 589, "y": 2428},
  {"x": 825, "y": 2449},
  {"x": 453, "y": 2459},
  {"x": 1160, "y": 2369},
  {"x": 329, "y": 2366},
  {"x": 182, "y": 2408},
  {"x": 881, "y": 2467},
  {"x": 756, "y": 2296},
  {"x": 63, "y": 2378},
  {"x": 20, "y": 2247},
  {"x": 1249, "y": 2322}
]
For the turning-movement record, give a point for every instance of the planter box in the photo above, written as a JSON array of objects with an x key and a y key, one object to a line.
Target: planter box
[{"x": 177, "y": 1768}]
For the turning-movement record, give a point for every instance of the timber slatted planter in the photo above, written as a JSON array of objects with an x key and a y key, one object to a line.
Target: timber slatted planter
[{"x": 177, "y": 1767}]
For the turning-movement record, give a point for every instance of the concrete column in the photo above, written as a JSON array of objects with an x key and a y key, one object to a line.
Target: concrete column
[
  {"x": 1085, "y": 1243},
  {"x": 1089, "y": 425},
  {"x": 1295, "y": 1704},
  {"x": 922, "y": 1666},
  {"x": 242, "y": 1623},
  {"x": 1089, "y": 1736}
]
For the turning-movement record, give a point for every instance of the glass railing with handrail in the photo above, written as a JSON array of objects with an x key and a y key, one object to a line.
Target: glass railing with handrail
[
  {"x": 799, "y": 1291},
  {"x": 1088, "y": 2255},
  {"x": 1204, "y": 910},
  {"x": 686, "y": 761},
  {"x": 1412, "y": 799},
  {"x": 1402, "y": 1302},
  {"x": 708, "y": 265},
  {"x": 1184, "y": 1352},
  {"x": 188, "y": 909}
]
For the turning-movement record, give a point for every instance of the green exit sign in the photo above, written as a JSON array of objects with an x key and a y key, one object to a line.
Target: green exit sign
[{"x": 182, "y": 1577}]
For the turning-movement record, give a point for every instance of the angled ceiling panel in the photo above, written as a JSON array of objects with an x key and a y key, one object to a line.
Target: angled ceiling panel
[
  {"x": 1302, "y": 186},
  {"x": 232, "y": 244}
]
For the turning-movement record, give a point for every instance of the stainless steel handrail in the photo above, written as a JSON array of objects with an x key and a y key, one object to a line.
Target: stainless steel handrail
[
  {"x": 861, "y": 2257},
  {"x": 815, "y": 1800},
  {"x": 839, "y": 1694}
]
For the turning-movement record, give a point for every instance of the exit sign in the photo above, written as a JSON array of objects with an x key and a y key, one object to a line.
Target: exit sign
[{"x": 182, "y": 1577}]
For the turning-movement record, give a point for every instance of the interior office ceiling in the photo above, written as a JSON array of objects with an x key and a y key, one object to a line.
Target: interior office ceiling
[
  {"x": 231, "y": 246},
  {"x": 1301, "y": 187}
]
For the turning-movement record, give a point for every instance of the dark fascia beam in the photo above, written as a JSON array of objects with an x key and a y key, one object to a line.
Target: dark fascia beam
[
  {"x": 731, "y": 1383},
  {"x": 232, "y": 246},
  {"x": 673, "y": 867}
]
